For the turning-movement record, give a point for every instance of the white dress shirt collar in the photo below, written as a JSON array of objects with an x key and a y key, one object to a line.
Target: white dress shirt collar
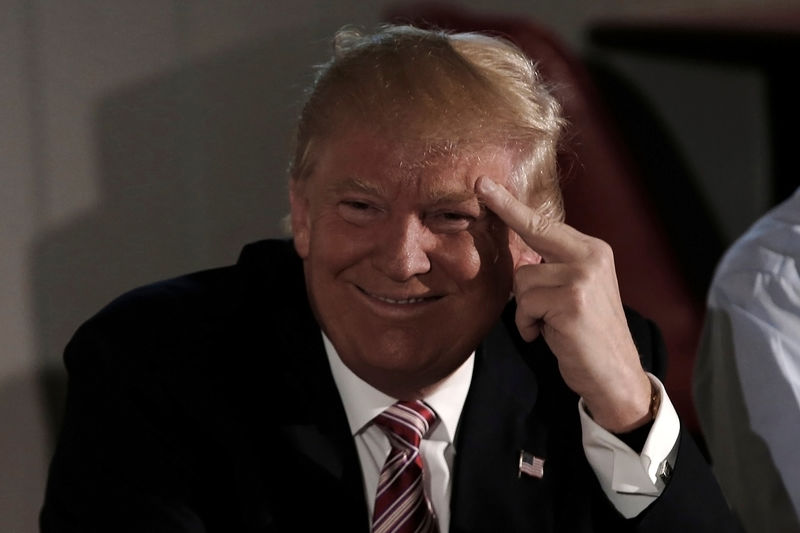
[{"x": 363, "y": 402}]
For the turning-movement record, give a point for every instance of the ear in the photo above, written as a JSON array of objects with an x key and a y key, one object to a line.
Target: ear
[
  {"x": 521, "y": 253},
  {"x": 300, "y": 217}
]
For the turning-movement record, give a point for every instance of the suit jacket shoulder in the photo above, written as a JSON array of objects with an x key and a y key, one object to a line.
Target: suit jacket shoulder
[{"x": 204, "y": 403}]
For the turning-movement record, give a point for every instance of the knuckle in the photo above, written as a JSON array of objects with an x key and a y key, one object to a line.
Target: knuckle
[
  {"x": 531, "y": 226},
  {"x": 542, "y": 224},
  {"x": 576, "y": 296},
  {"x": 600, "y": 252},
  {"x": 507, "y": 203}
]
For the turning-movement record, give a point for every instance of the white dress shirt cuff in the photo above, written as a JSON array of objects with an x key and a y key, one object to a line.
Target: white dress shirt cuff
[{"x": 631, "y": 480}]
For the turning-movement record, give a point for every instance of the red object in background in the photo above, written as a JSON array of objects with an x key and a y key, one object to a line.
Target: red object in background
[{"x": 604, "y": 191}]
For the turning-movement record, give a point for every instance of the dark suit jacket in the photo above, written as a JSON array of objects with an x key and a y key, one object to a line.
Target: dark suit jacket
[{"x": 206, "y": 403}]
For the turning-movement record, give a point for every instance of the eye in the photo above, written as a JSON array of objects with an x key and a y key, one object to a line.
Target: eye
[
  {"x": 457, "y": 216},
  {"x": 451, "y": 221},
  {"x": 358, "y": 212},
  {"x": 355, "y": 205}
]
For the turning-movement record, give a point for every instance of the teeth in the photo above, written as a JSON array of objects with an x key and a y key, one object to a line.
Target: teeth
[{"x": 401, "y": 302}]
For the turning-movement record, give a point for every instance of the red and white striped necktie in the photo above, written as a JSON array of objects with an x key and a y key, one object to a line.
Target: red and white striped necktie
[{"x": 400, "y": 503}]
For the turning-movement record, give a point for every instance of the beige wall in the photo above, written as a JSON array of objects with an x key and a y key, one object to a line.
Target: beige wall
[{"x": 140, "y": 140}]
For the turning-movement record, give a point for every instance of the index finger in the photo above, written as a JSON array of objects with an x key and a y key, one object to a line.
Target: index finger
[{"x": 552, "y": 239}]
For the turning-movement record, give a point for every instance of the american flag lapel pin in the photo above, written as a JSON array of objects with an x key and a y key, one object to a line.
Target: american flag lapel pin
[{"x": 530, "y": 465}]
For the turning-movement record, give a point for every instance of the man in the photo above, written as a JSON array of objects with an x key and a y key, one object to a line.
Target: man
[
  {"x": 746, "y": 378},
  {"x": 412, "y": 361}
]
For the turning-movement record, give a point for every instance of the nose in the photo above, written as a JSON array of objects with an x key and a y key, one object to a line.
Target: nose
[{"x": 403, "y": 252}]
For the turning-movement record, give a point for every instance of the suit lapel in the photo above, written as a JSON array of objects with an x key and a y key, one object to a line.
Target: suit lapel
[
  {"x": 497, "y": 423},
  {"x": 318, "y": 432}
]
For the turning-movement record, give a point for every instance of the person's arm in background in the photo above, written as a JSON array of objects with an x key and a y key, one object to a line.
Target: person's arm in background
[
  {"x": 747, "y": 374},
  {"x": 747, "y": 393}
]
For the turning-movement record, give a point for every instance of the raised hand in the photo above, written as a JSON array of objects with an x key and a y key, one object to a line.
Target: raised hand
[{"x": 571, "y": 297}]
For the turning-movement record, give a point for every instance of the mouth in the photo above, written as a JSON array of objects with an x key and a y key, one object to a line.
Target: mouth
[{"x": 397, "y": 300}]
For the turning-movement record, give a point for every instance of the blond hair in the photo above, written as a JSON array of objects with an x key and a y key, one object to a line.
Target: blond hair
[{"x": 450, "y": 91}]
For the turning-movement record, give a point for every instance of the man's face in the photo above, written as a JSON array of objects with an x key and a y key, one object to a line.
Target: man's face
[{"x": 406, "y": 271}]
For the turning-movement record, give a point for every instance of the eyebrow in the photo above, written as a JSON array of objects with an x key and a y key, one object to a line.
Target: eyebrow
[
  {"x": 451, "y": 197},
  {"x": 436, "y": 196},
  {"x": 357, "y": 185}
]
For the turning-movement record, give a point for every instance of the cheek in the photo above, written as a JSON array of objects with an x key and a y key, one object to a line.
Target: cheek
[
  {"x": 482, "y": 258},
  {"x": 463, "y": 256},
  {"x": 336, "y": 244}
]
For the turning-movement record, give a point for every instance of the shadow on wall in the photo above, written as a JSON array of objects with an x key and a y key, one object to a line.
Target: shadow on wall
[
  {"x": 22, "y": 443},
  {"x": 192, "y": 166}
]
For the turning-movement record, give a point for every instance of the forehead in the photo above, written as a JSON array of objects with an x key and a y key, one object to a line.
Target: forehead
[{"x": 364, "y": 160}]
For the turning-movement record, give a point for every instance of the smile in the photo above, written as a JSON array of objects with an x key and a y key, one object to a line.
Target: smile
[{"x": 400, "y": 301}]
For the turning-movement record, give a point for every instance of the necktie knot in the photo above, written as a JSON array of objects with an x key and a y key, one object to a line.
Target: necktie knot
[
  {"x": 401, "y": 505},
  {"x": 406, "y": 423}
]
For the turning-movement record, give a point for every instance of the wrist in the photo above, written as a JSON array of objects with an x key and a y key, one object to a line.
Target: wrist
[{"x": 634, "y": 408}]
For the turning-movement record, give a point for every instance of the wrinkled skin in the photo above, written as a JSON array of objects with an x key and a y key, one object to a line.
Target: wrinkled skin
[{"x": 407, "y": 270}]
